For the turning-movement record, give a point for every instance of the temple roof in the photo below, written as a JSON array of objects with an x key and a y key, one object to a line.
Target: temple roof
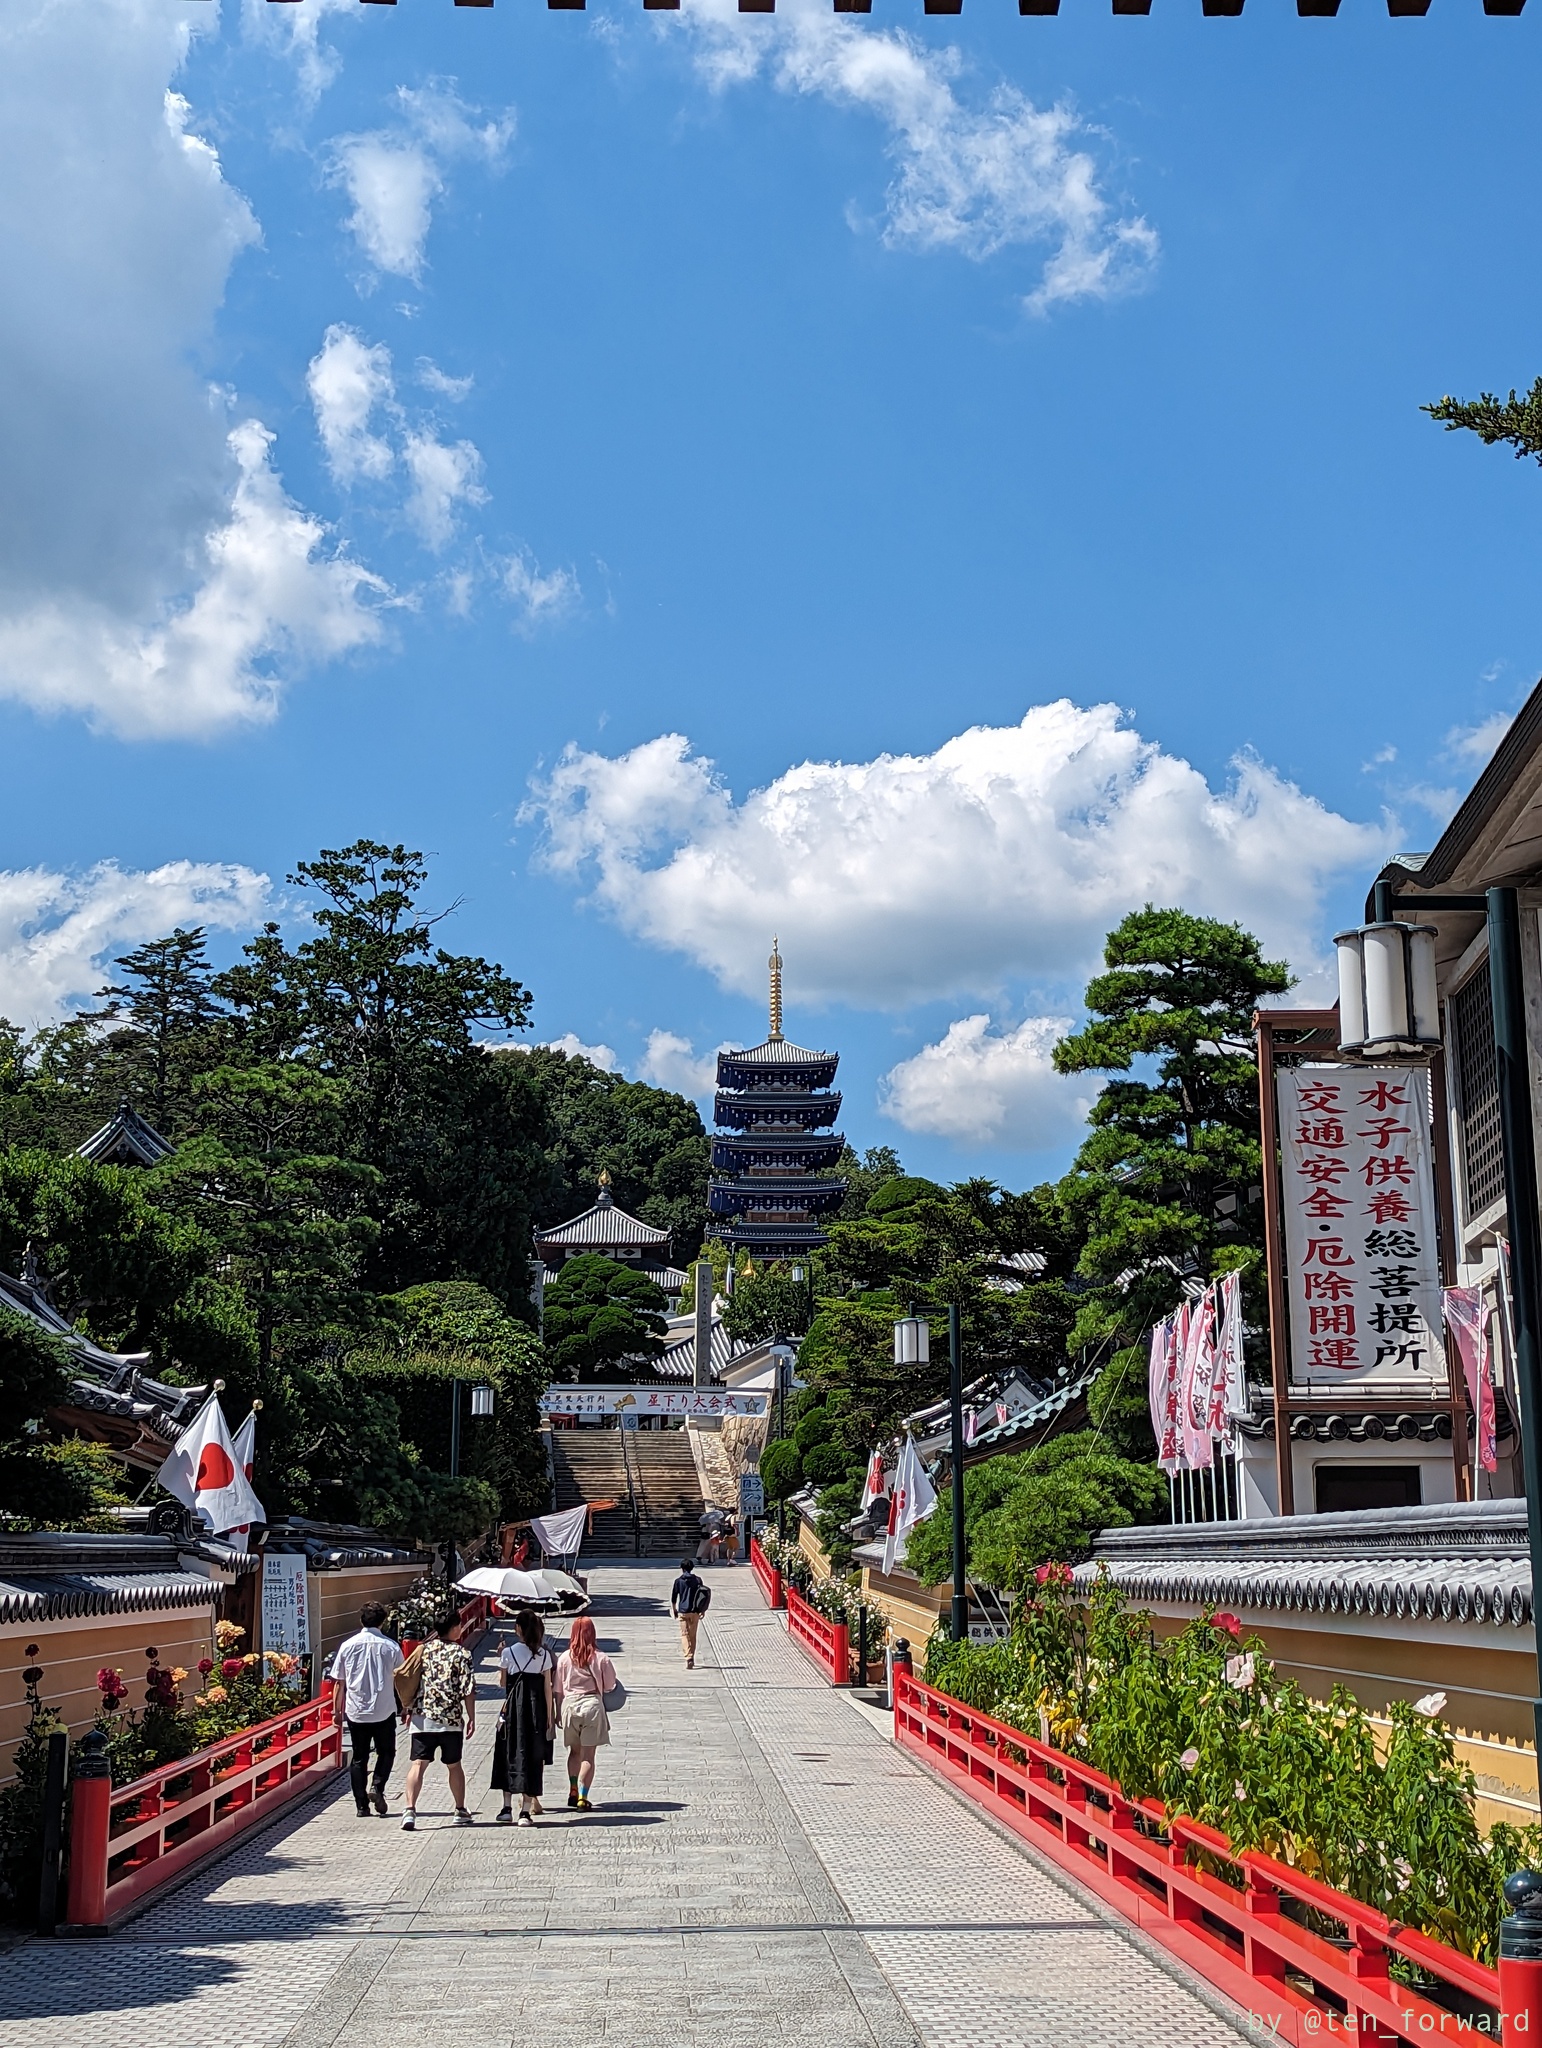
[
  {"x": 776, "y": 1052},
  {"x": 126, "y": 1140},
  {"x": 603, "y": 1225}
]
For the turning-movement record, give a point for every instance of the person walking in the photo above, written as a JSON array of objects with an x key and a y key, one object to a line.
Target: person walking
[
  {"x": 444, "y": 1714},
  {"x": 689, "y": 1599},
  {"x": 585, "y": 1676},
  {"x": 363, "y": 1672},
  {"x": 529, "y": 1718}
]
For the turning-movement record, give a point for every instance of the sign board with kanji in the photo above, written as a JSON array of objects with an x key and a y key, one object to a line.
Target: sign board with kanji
[
  {"x": 630, "y": 1400},
  {"x": 1362, "y": 1266},
  {"x": 752, "y": 1494}
]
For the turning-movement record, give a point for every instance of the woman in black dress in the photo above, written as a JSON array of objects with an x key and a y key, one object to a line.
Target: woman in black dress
[{"x": 525, "y": 1745}]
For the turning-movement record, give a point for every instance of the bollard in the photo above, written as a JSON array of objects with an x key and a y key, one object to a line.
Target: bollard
[
  {"x": 1520, "y": 1960},
  {"x": 862, "y": 1643},
  {"x": 54, "y": 1785},
  {"x": 90, "y": 1823}
]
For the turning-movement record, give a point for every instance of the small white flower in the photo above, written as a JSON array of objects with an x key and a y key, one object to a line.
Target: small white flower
[
  {"x": 1239, "y": 1672},
  {"x": 1240, "y": 1790},
  {"x": 1189, "y": 1758},
  {"x": 1431, "y": 1704}
]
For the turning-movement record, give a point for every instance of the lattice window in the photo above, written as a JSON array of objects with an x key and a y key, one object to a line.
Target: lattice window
[{"x": 1477, "y": 1095}]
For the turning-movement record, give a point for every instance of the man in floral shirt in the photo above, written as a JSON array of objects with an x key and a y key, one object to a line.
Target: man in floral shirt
[{"x": 444, "y": 1714}]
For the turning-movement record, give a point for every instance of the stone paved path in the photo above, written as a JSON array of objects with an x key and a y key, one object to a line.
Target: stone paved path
[{"x": 763, "y": 1868}]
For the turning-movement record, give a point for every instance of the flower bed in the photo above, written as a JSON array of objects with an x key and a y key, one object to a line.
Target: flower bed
[
  {"x": 240, "y": 1690},
  {"x": 1200, "y": 1727}
]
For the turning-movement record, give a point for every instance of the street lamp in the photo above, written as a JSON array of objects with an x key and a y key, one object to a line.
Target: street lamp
[
  {"x": 784, "y": 1357},
  {"x": 1387, "y": 1003},
  {"x": 912, "y": 1346},
  {"x": 481, "y": 1400}
]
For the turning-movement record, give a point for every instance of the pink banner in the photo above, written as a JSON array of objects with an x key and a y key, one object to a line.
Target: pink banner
[{"x": 1467, "y": 1317}]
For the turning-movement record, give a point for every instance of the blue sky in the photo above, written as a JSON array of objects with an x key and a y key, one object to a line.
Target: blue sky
[{"x": 437, "y": 409}]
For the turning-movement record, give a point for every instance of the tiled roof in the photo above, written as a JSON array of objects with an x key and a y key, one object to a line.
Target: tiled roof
[
  {"x": 126, "y": 1140},
  {"x": 678, "y": 1360},
  {"x": 107, "y": 1382},
  {"x": 1465, "y": 1562},
  {"x": 604, "y": 1224},
  {"x": 776, "y": 1052},
  {"x": 55, "y": 1577}
]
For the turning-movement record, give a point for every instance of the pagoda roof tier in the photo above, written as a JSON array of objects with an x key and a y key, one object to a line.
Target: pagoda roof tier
[
  {"x": 744, "y": 1108},
  {"x": 791, "y": 1150},
  {"x": 792, "y": 1191},
  {"x": 772, "y": 1238},
  {"x": 777, "y": 1064}
]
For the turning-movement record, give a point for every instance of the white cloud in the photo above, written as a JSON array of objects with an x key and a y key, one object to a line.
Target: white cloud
[
  {"x": 1006, "y": 853},
  {"x": 602, "y": 1056},
  {"x": 979, "y": 1085},
  {"x": 347, "y": 379},
  {"x": 152, "y": 572},
  {"x": 973, "y": 175},
  {"x": 269, "y": 591},
  {"x": 444, "y": 475},
  {"x": 432, "y": 378},
  {"x": 670, "y": 1061},
  {"x": 538, "y": 598},
  {"x": 58, "y": 933},
  {"x": 1475, "y": 744},
  {"x": 393, "y": 175}
]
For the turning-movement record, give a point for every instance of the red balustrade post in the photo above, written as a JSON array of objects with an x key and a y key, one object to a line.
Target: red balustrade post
[
  {"x": 90, "y": 1828},
  {"x": 840, "y": 1654},
  {"x": 1520, "y": 1961}
]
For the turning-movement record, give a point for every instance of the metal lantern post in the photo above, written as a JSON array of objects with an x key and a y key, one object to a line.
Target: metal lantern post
[
  {"x": 455, "y": 1429},
  {"x": 912, "y": 1346},
  {"x": 1388, "y": 1004}
]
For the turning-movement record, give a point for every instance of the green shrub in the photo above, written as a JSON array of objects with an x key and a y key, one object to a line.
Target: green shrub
[
  {"x": 825, "y": 1463},
  {"x": 781, "y": 1469}
]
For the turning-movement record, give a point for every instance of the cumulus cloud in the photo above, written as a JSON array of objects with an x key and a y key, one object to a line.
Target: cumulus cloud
[
  {"x": 348, "y": 379},
  {"x": 152, "y": 572},
  {"x": 602, "y": 1056},
  {"x": 1474, "y": 744},
  {"x": 270, "y": 590},
  {"x": 984, "y": 1086},
  {"x": 445, "y": 475},
  {"x": 58, "y": 933},
  {"x": 394, "y": 174},
  {"x": 670, "y": 1061},
  {"x": 1007, "y": 853},
  {"x": 973, "y": 174}
]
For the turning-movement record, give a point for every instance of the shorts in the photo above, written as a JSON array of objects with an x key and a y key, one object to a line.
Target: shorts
[{"x": 443, "y": 1742}]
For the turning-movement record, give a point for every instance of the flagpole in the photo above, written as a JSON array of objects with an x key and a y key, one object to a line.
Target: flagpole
[{"x": 960, "y": 1618}]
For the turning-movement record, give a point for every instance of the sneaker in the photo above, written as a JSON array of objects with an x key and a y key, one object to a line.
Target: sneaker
[
  {"x": 572, "y": 1799},
  {"x": 690, "y": 1663},
  {"x": 527, "y": 1820},
  {"x": 409, "y": 1821},
  {"x": 378, "y": 1799},
  {"x": 583, "y": 1804},
  {"x": 463, "y": 1818},
  {"x": 506, "y": 1818},
  {"x": 362, "y": 1812}
]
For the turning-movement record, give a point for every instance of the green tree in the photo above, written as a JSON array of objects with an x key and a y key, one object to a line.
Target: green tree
[
  {"x": 1039, "y": 1507},
  {"x": 44, "y": 1484},
  {"x": 1171, "y": 1175},
  {"x": 769, "y": 1303},
  {"x": 166, "y": 1001},
  {"x": 864, "y": 1176},
  {"x": 649, "y": 1140},
  {"x": 597, "y": 1314},
  {"x": 1513, "y": 420}
]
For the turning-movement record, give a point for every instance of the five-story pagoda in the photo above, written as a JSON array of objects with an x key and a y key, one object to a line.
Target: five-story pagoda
[{"x": 773, "y": 1146}]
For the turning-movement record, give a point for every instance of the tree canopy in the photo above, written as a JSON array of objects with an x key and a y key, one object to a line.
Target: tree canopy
[{"x": 1514, "y": 420}]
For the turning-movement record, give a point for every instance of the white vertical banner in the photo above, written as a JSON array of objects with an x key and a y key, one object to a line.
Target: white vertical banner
[
  {"x": 286, "y": 1619},
  {"x": 1362, "y": 1272}
]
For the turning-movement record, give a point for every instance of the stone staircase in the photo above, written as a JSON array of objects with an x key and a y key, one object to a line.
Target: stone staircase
[
  {"x": 667, "y": 1490},
  {"x": 590, "y": 1464}
]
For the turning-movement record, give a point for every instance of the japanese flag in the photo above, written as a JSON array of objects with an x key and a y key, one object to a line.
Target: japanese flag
[
  {"x": 873, "y": 1485},
  {"x": 204, "y": 1473},
  {"x": 912, "y": 1501},
  {"x": 245, "y": 1447}
]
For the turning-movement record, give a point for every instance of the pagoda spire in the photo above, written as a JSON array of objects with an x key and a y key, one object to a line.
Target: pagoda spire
[{"x": 775, "y": 964}]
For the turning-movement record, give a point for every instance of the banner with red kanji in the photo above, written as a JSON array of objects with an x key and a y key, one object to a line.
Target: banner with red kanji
[{"x": 1362, "y": 1268}]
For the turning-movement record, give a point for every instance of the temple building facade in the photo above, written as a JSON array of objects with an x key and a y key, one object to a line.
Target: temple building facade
[
  {"x": 609, "y": 1231},
  {"x": 775, "y": 1143}
]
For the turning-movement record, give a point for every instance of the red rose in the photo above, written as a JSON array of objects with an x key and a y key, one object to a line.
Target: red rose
[{"x": 1228, "y": 1624}]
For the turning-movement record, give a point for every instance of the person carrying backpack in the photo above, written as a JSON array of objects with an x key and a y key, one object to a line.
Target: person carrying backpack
[{"x": 689, "y": 1599}]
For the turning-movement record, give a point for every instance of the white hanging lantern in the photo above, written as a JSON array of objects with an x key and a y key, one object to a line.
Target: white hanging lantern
[
  {"x": 481, "y": 1400},
  {"x": 1388, "y": 1001},
  {"x": 912, "y": 1341}
]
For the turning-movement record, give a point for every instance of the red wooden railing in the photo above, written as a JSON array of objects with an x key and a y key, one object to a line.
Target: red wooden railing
[
  {"x": 827, "y": 1642},
  {"x": 126, "y": 1844},
  {"x": 766, "y": 1573},
  {"x": 1243, "y": 1931}
]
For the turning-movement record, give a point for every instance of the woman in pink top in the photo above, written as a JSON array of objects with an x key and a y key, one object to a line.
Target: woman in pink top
[{"x": 585, "y": 1675}]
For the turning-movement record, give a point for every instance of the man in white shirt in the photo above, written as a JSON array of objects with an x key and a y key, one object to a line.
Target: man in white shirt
[{"x": 364, "y": 1672}]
